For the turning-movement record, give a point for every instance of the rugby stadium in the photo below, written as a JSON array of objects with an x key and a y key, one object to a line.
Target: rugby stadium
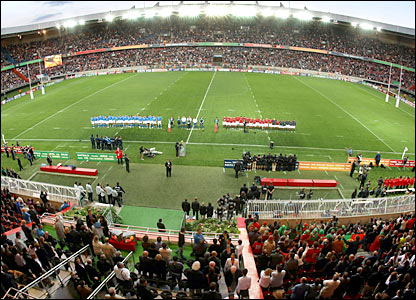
[{"x": 289, "y": 132}]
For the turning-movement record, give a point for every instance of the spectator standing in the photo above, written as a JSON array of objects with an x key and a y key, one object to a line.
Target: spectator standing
[
  {"x": 329, "y": 287},
  {"x": 161, "y": 226},
  {"x": 195, "y": 208},
  {"x": 243, "y": 286},
  {"x": 299, "y": 290},
  {"x": 186, "y": 207}
]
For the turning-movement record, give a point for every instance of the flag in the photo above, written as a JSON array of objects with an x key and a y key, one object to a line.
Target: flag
[
  {"x": 216, "y": 128},
  {"x": 168, "y": 126}
]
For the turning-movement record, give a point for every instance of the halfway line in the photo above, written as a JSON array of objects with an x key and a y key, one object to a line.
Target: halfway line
[{"x": 203, "y": 100}]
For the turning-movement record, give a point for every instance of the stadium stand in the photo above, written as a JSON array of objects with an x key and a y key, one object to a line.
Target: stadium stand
[
  {"x": 314, "y": 35},
  {"x": 371, "y": 261}
]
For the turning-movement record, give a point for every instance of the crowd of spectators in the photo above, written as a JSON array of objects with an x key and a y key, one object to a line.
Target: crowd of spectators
[
  {"x": 290, "y": 33},
  {"x": 322, "y": 260},
  {"x": 210, "y": 263}
]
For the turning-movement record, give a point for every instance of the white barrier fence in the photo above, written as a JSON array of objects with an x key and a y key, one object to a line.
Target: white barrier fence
[
  {"x": 295, "y": 209},
  {"x": 32, "y": 189}
]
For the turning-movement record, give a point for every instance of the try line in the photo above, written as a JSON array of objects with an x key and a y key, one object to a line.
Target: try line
[
  {"x": 203, "y": 100},
  {"x": 217, "y": 144},
  {"x": 70, "y": 105},
  {"x": 340, "y": 107}
]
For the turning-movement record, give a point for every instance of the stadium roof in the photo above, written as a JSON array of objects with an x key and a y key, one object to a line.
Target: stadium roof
[{"x": 212, "y": 9}]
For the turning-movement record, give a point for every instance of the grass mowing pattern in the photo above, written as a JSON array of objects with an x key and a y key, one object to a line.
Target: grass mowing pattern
[{"x": 326, "y": 112}]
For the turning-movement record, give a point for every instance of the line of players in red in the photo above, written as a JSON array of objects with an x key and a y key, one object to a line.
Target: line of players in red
[{"x": 399, "y": 182}]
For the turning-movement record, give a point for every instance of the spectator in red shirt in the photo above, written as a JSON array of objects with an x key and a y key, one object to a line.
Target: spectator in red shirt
[{"x": 258, "y": 246}]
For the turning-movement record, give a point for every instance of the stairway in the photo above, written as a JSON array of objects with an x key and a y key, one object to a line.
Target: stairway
[{"x": 20, "y": 75}]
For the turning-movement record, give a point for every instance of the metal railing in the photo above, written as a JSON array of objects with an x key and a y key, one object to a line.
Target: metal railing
[
  {"x": 17, "y": 295},
  {"x": 295, "y": 209},
  {"x": 32, "y": 189},
  {"x": 110, "y": 277},
  {"x": 47, "y": 274},
  {"x": 169, "y": 234}
]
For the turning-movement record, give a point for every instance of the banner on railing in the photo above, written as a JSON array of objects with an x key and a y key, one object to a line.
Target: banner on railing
[
  {"x": 229, "y": 163},
  {"x": 96, "y": 156},
  {"x": 52, "y": 154},
  {"x": 387, "y": 162},
  {"x": 17, "y": 149},
  {"x": 324, "y": 166}
]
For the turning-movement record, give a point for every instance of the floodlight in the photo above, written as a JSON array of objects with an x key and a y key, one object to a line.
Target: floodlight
[
  {"x": 43, "y": 31},
  {"x": 70, "y": 24},
  {"x": 366, "y": 26},
  {"x": 283, "y": 14},
  {"x": 354, "y": 24},
  {"x": 165, "y": 12},
  {"x": 81, "y": 22},
  {"x": 189, "y": 11},
  {"x": 58, "y": 26},
  {"x": 304, "y": 15},
  {"x": 326, "y": 19},
  {"x": 241, "y": 11},
  {"x": 109, "y": 18},
  {"x": 379, "y": 28}
]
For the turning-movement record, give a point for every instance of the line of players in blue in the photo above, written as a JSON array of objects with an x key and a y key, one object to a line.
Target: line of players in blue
[{"x": 127, "y": 121}]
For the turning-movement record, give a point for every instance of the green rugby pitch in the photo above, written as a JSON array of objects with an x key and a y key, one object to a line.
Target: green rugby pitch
[{"x": 331, "y": 116}]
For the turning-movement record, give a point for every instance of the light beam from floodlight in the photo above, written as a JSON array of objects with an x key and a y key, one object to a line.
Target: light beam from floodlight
[
  {"x": 282, "y": 14},
  {"x": 149, "y": 14},
  {"x": 267, "y": 12},
  {"x": 241, "y": 11},
  {"x": 216, "y": 10},
  {"x": 326, "y": 19},
  {"x": 354, "y": 24},
  {"x": 165, "y": 13},
  {"x": 366, "y": 26},
  {"x": 81, "y": 22},
  {"x": 109, "y": 18},
  {"x": 70, "y": 24},
  {"x": 305, "y": 16},
  {"x": 189, "y": 11},
  {"x": 379, "y": 29}
]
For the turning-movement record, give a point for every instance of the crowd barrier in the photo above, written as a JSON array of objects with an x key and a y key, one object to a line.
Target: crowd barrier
[
  {"x": 32, "y": 189},
  {"x": 297, "y": 209}
]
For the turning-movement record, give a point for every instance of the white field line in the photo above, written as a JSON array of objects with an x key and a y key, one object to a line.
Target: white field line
[
  {"x": 336, "y": 104},
  {"x": 203, "y": 100},
  {"x": 33, "y": 175},
  {"x": 82, "y": 99},
  {"x": 68, "y": 175},
  {"x": 342, "y": 195},
  {"x": 169, "y": 87},
  {"x": 219, "y": 144},
  {"x": 382, "y": 96},
  {"x": 255, "y": 102},
  {"x": 107, "y": 172}
]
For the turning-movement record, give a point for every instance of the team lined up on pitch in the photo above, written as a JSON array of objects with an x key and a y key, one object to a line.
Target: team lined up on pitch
[
  {"x": 127, "y": 121},
  {"x": 242, "y": 122}
]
